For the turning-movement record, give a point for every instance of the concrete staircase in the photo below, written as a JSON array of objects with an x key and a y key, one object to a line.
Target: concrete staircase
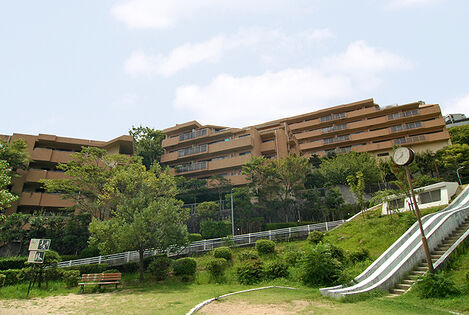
[{"x": 406, "y": 283}]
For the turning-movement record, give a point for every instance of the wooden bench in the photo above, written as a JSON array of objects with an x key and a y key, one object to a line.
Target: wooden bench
[{"x": 100, "y": 279}]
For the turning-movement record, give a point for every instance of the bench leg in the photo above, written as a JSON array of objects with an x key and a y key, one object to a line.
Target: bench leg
[{"x": 82, "y": 289}]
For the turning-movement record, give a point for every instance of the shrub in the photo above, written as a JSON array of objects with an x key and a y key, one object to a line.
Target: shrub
[
  {"x": 185, "y": 266},
  {"x": 223, "y": 252},
  {"x": 264, "y": 247},
  {"x": 250, "y": 271},
  {"x": 129, "y": 267},
  {"x": 248, "y": 255},
  {"x": 315, "y": 237},
  {"x": 159, "y": 267},
  {"x": 435, "y": 285},
  {"x": 11, "y": 276},
  {"x": 71, "y": 277},
  {"x": 113, "y": 270},
  {"x": 2, "y": 280},
  {"x": 292, "y": 256},
  {"x": 12, "y": 262},
  {"x": 337, "y": 253},
  {"x": 276, "y": 269},
  {"x": 361, "y": 254},
  {"x": 318, "y": 267},
  {"x": 216, "y": 267},
  {"x": 194, "y": 237},
  {"x": 214, "y": 229}
]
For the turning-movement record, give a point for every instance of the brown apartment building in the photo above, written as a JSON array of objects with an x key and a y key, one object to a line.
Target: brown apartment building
[
  {"x": 46, "y": 151},
  {"x": 195, "y": 150}
]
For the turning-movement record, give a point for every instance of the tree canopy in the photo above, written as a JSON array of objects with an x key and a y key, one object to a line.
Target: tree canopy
[
  {"x": 459, "y": 134},
  {"x": 145, "y": 213},
  {"x": 147, "y": 144}
]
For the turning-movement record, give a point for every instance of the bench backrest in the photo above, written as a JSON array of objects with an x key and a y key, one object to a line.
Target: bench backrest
[{"x": 101, "y": 277}]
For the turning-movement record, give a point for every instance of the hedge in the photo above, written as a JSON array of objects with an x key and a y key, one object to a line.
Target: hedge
[
  {"x": 91, "y": 268},
  {"x": 215, "y": 229},
  {"x": 12, "y": 262},
  {"x": 185, "y": 266}
]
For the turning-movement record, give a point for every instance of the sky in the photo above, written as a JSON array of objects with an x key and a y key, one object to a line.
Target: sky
[{"x": 93, "y": 69}]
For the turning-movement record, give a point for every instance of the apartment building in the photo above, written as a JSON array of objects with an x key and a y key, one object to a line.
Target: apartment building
[
  {"x": 46, "y": 151},
  {"x": 201, "y": 151}
]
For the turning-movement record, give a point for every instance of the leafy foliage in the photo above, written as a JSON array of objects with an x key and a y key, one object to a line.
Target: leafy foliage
[
  {"x": 215, "y": 229},
  {"x": 276, "y": 269},
  {"x": 148, "y": 144},
  {"x": 159, "y": 267},
  {"x": 459, "y": 134},
  {"x": 223, "y": 252},
  {"x": 146, "y": 214},
  {"x": 265, "y": 247},
  {"x": 6, "y": 197},
  {"x": 315, "y": 237},
  {"x": 12, "y": 262},
  {"x": 248, "y": 255},
  {"x": 250, "y": 271},
  {"x": 185, "y": 266},
  {"x": 216, "y": 267},
  {"x": 435, "y": 285},
  {"x": 318, "y": 267},
  {"x": 208, "y": 210},
  {"x": 71, "y": 278}
]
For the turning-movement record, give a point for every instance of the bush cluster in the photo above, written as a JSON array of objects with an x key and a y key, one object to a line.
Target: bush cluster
[
  {"x": 292, "y": 256},
  {"x": 435, "y": 285},
  {"x": 2, "y": 280},
  {"x": 91, "y": 268},
  {"x": 71, "y": 277},
  {"x": 319, "y": 267},
  {"x": 248, "y": 255},
  {"x": 194, "y": 237},
  {"x": 361, "y": 254},
  {"x": 223, "y": 252},
  {"x": 159, "y": 267},
  {"x": 185, "y": 266},
  {"x": 276, "y": 269},
  {"x": 12, "y": 262},
  {"x": 250, "y": 271},
  {"x": 214, "y": 229},
  {"x": 216, "y": 267},
  {"x": 265, "y": 247},
  {"x": 315, "y": 237}
]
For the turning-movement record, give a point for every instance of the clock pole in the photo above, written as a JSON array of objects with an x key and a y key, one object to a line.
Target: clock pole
[{"x": 417, "y": 212}]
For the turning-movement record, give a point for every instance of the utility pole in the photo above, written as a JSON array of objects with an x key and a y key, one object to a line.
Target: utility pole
[{"x": 232, "y": 215}]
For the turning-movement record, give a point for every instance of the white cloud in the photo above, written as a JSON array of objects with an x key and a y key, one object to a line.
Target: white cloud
[
  {"x": 164, "y": 14},
  {"x": 235, "y": 101},
  {"x": 189, "y": 54},
  {"x": 458, "y": 105},
  {"x": 398, "y": 4}
]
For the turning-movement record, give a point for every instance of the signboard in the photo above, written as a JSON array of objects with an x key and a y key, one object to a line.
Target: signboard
[
  {"x": 36, "y": 257},
  {"x": 39, "y": 244}
]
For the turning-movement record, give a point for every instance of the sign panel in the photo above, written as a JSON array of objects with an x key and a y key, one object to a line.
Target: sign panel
[
  {"x": 36, "y": 257},
  {"x": 39, "y": 244}
]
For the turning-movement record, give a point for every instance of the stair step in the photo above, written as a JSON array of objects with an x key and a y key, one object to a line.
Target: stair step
[
  {"x": 438, "y": 252},
  {"x": 409, "y": 281},
  {"x": 392, "y": 295},
  {"x": 397, "y": 291},
  {"x": 403, "y": 286},
  {"x": 421, "y": 268},
  {"x": 417, "y": 272}
]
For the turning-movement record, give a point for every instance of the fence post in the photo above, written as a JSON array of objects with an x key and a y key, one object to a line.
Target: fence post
[
  {"x": 270, "y": 234},
  {"x": 327, "y": 227},
  {"x": 289, "y": 232},
  {"x": 309, "y": 228},
  {"x": 204, "y": 245},
  {"x": 249, "y": 235},
  {"x": 128, "y": 257},
  {"x": 99, "y": 259},
  {"x": 70, "y": 263}
]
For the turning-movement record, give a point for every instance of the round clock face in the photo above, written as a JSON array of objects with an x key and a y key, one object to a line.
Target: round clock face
[{"x": 402, "y": 156}]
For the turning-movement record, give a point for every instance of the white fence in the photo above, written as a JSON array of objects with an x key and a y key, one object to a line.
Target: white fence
[{"x": 207, "y": 245}]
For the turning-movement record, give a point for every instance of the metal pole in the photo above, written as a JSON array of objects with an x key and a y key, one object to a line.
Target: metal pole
[
  {"x": 417, "y": 212},
  {"x": 459, "y": 177},
  {"x": 232, "y": 215}
]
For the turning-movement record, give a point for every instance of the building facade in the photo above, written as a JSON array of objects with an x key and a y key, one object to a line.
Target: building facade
[
  {"x": 201, "y": 151},
  {"x": 45, "y": 152}
]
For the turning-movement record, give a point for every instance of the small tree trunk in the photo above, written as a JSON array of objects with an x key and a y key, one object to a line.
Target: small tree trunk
[{"x": 140, "y": 253}]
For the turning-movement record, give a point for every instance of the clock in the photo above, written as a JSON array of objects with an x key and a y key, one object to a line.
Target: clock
[{"x": 403, "y": 156}]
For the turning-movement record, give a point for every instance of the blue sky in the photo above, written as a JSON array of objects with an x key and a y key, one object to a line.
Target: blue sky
[{"x": 92, "y": 69}]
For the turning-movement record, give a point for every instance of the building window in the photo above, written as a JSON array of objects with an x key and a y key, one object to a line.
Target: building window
[
  {"x": 408, "y": 113},
  {"x": 191, "y": 167},
  {"x": 192, "y": 150},
  {"x": 245, "y": 153},
  {"x": 242, "y": 136},
  {"x": 383, "y": 154},
  {"x": 332, "y": 116},
  {"x": 430, "y": 196},
  {"x": 193, "y": 134},
  {"x": 397, "y": 128},
  {"x": 336, "y": 139},
  {"x": 334, "y": 128},
  {"x": 413, "y": 125},
  {"x": 396, "y": 204}
]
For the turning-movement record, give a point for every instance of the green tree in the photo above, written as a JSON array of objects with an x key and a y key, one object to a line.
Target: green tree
[
  {"x": 453, "y": 157},
  {"x": 6, "y": 197},
  {"x": 208, "y": 210},
  {"x": 88, "y": 173},
  {"x": 459, "y": 134},
  {"x": 333, "y": 200},
  {"x": 13, "y": 229},
  {"x": 357, "y": 186},
  {"x": 146, "y": 213},
  {"x": 148, "y": 144},
  {"x": 337, "y": 169},
  {"x": 15, "y": 154}
]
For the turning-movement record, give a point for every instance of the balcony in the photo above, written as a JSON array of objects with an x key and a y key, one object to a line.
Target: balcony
[
  {"x": 44, "y": 200},
  {"x": 33, "y": 175}
]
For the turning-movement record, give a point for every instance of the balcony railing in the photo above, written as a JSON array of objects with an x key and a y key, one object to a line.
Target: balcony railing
[
  {"x": 191, "y": 167},
  {"x": 192, "y": 150},
  {"x": 332, "y": 116},
  {"x": 408, "y": 113},
  {"x": 410, "y": 139},
  {"x": 334, "y": 128},
  {"x": 193, "y": 134}
]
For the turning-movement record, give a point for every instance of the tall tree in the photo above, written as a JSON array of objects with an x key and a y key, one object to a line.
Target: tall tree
[
  {"x": 357, "y": 186},
  {"x": 145, "y": 215},
  {"x": 15, "y": 154},
  {"x": 337, "y": 169},
  {"x": 88, "y": 172},
  {"x": 6, "y": 197},
  {"x": 147, "y": 144},
  {"x": 459, "y": 134}
]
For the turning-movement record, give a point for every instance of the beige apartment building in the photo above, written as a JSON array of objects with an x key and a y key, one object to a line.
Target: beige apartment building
[
  {"x": 45, "y": 152},
  {"x": 201, "y": 151}
]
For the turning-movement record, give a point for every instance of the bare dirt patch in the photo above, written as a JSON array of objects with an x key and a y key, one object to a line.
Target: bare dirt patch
[{"x": 245, "y": 308}]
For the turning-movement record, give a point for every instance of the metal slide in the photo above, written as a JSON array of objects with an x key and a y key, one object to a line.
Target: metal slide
[{"x": 407, "y": 252}]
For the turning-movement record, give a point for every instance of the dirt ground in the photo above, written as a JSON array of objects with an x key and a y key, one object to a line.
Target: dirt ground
[
  {"x": 244, "y": 308},
  {"x": 64, "y": 304}
]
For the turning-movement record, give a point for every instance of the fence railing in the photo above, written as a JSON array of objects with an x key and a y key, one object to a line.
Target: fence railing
[{"x": 207, "y": 245}]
